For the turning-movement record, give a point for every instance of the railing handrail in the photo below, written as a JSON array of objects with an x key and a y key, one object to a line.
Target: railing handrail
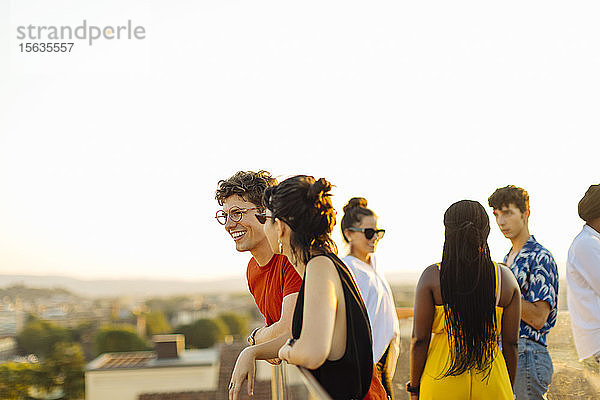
[
  {"x": 404, "y": 312},
  {"x": 314, "y": 387},
  {"x": 279, "y": 383}
]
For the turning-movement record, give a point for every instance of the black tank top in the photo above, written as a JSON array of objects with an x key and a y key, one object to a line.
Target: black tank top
[{"x": 350, "y": 376}]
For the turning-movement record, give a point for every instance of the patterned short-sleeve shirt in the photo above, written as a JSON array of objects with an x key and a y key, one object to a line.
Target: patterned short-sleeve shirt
[{"x": 537, "y": 275}]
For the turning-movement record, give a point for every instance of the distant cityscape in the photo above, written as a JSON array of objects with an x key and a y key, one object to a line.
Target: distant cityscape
[
  {"x": 155, "y": 287},
  {"x": 43, "y": 328},
  {"x": 93, "y": 328},
  {"x": 59, "y": 343}
]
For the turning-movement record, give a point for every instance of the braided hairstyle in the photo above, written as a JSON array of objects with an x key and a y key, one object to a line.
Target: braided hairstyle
[
  {"x": 305, "y": 205},
  {"x": 467, "y": 281}
]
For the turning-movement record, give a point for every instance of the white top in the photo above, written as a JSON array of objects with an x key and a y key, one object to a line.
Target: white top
[
  {"x": 379, "y": 301},
  {"x": 583, "y": 293}
]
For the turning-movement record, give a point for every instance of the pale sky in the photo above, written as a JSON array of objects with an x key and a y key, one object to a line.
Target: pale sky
[{"x": 110, "y": 154}]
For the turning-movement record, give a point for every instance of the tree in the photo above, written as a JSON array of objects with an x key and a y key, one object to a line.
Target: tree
[
  {"x": 84, "y": 334},
  {"x": 15, "y": 380},
  {"x": 65, "y": 368},
  {"x": 80, "y": 332},
  {"x": 62, "y": 370},
  {"x": 39, "y": 337},
  {"x": 156, "y": 323},
  {"x": 118, "y": 338},
  {"x": 237, "y": 324},
  {"x": 203, "y": 333}
]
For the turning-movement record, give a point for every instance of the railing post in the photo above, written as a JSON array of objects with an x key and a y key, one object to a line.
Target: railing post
[{"x": 278, "y": 389}]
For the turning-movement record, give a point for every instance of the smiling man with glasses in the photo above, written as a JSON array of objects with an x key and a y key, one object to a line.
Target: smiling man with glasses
[{"x": 272, "y": 280}]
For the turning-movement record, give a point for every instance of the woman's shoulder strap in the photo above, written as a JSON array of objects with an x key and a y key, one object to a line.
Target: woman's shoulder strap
[{"x": 498, "y": 282}]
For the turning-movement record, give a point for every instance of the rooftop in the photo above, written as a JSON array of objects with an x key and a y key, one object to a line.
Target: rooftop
[{"x": 147, "y": 359}]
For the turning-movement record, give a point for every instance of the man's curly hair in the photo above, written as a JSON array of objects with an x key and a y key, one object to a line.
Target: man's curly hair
[
  {"x": 507, "y": 195},
  {"x": 249, "y": 185}
]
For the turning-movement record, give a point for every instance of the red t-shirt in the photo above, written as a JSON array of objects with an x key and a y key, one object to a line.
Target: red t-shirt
[{"x": 271, "y": 283}]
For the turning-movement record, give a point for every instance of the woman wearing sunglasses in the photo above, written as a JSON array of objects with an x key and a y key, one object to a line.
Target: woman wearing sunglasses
[
  {"x": 359, "y": 230},
  {"x": 330, "y": 330}
]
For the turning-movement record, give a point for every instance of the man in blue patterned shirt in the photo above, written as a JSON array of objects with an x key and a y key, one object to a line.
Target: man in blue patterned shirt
[{"x": 537, "y": 275}]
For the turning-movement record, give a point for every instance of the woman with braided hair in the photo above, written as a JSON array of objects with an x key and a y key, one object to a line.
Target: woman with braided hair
[
  {"x": 331, "y": 336},
  {"x": 470, "y": 304}
]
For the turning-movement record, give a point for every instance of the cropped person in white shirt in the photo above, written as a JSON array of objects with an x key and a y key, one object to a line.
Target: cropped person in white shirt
[
  {"x": 359, "y": 230},
  {"x": 583, "y": 280}
]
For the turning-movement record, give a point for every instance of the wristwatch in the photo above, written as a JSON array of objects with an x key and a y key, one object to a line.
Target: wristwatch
[
  {"x": 412, "y": 389},
  {"x": 251, "y": 340}
]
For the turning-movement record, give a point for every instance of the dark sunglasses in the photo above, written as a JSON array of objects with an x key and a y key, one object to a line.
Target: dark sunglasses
[
  {"x": 262, "y": 217},
  {"x": 369, "y": 232}
]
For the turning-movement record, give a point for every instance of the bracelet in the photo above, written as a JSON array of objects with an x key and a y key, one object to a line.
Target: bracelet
[
  {"x": 412, "y": 389},
  {"x": 251, "y": 339}
]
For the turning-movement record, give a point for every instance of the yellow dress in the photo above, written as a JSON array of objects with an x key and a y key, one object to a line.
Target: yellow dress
[{"x": 469, "y": 385}]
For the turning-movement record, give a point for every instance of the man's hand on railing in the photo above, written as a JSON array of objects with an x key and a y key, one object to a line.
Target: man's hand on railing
[
  {"x": 245, "y": 369},
  {"x": 274, "y": 361}
]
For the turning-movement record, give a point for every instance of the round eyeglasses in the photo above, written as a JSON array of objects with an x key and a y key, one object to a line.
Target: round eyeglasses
[
  {"x": 369, "y": 232},
  {"x": 235, "y": 214}
]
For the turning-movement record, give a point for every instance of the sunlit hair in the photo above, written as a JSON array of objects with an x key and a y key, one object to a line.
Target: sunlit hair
[
  {"x": 467, "y": 280},
  {"x": 305, "y": 205},
  {"x": 249, "y": 185},
  {"x": 354, "y": 212},
  {"x": 509, "y": 194}
]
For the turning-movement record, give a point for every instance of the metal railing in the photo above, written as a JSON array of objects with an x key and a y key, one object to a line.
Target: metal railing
[{"x": 291, "y": 382}]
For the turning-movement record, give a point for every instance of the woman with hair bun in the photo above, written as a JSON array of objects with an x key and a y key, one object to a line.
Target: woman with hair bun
[
  {"x": 471, "y": 305},
  {"x": 359, "y": 230},
  {"x": 331, "y": 336}
]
